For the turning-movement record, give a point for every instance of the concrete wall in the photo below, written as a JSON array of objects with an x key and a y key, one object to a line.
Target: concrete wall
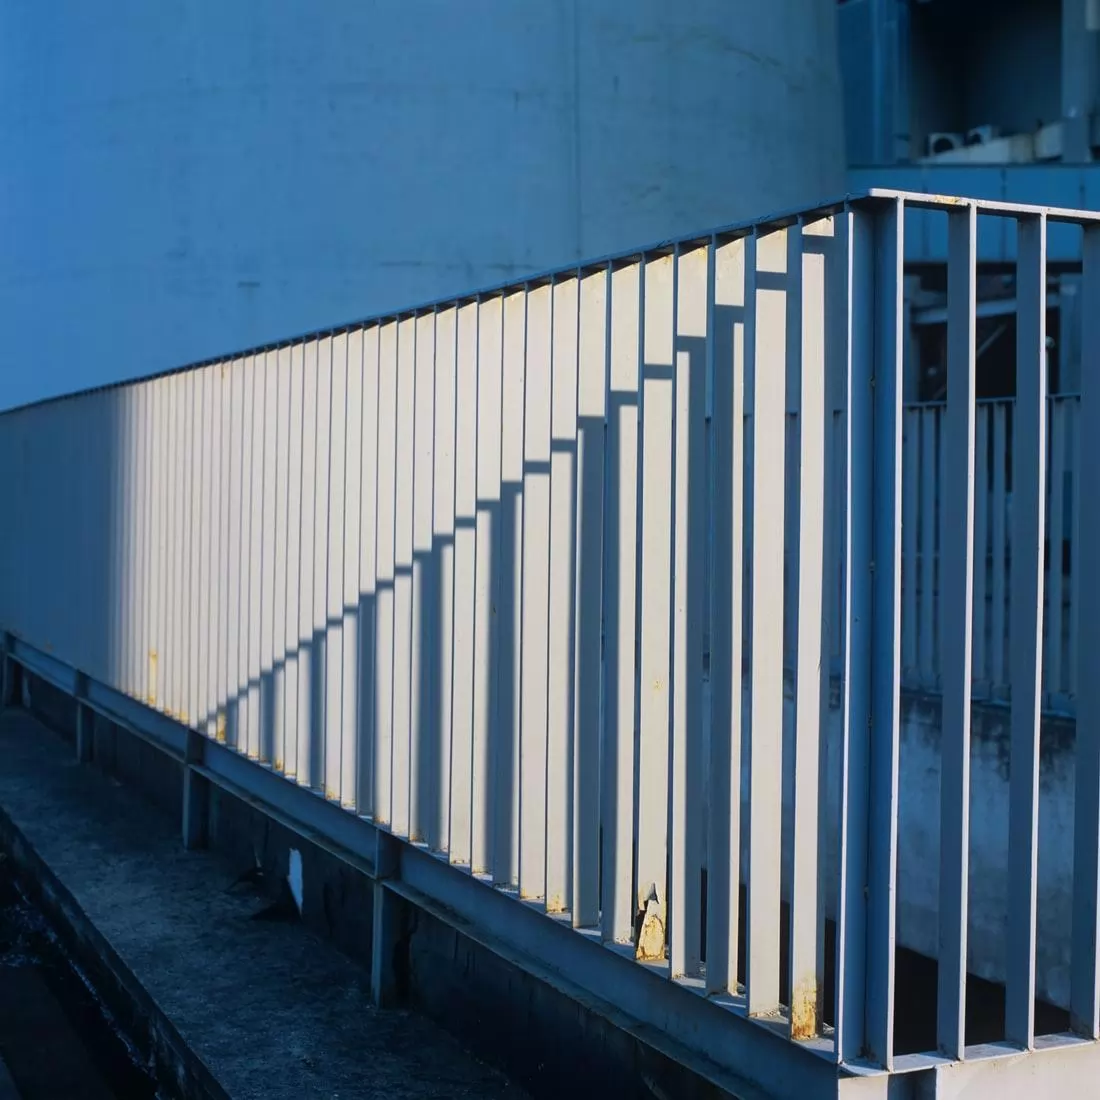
[{"x": 195, "y": 176}]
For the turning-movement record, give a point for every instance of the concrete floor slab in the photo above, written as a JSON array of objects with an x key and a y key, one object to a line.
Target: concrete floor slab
[{"x": 261, "y": 1008}]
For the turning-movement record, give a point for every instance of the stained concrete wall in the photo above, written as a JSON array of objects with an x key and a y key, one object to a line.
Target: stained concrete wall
[{"x": 191, "y": 177}]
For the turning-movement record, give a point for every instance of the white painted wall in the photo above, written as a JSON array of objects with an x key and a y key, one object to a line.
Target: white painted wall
[{"x": 192, "y": 176}]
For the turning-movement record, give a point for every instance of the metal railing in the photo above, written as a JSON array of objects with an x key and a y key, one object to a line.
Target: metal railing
[{"x": 452, "y": 570}]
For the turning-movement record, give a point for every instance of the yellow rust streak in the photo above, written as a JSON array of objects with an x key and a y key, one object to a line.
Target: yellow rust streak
[{"x": 805, "y": 1009}]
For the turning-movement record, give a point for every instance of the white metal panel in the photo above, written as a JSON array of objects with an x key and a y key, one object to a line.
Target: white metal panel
[
  {"x": 620, "y": 606},
  {"x": 281, "y": 538},
  {"x": 337, "y": 548},
  {"x": 655, "y": 596},
  {"x": 592, "y": 383},
  {"x": 309, "y": 662},
  {"x": 294, "y": 636},
  {"x": 382, "y": 803},
  {"x": 689, "y": 609},
  {"x": 443, "y": 530},
  {"x": 465, "y": 559},
  {"x": 536, "y": 588},
  {"x": 368, "y": 578},
  {"x": 490, "y": 336},
  {"x": 562, "y": 618},
  {"x": 402, "y": 582},
  {"x": 322, "y": 441},
  {"x": 424, "y": 747},
  {"x": 505, "y": 849},
  {"x": 727, "y": 325},
  {"x": 257, "y": 452},
  {"x": 351, "y": 701}
]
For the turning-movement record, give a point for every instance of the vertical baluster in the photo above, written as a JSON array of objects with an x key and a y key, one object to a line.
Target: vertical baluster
[
  {"x": 765, "y": 369},
  {"x": 403, "y": 475},
  {"x": 689, "y": 575},
  {"x": 562, "y": 535},
  {"x": 231, "y": 655},
  {"x": 956, "y": 554},
  {"x": 1028, "y": 514},
  {"x": 807, "y": 351},
  {"x": 351, "y": 614},
  {"x": 322, "y": 444},
  {"x": 443, "y": 529},
  {"x": 588, "y": 600},
  {"x": 334, "y": 589},
  {"x": 536, "y": 585},
  {"x": 382, "y": 771},
  {"x": 505, "y": 853},
  {"x": 727, "y": 326},
  {"x": 487, "y": 570},
  {"x": 279, "y": 597},
  {"x": 655, "y": 593},
  {"x": 267, "y": 443},
  {"x": 617, "y": 791},
  {"x": 1084, "y": 970},
  {"x": 1074, "y": 555},
  {"x": 367, "y": 734},
  {"x": 464, "y": 582},
  {"x": 423, "y": 758},
  {"x": 248, "y": 497},
  {"x": 294, "y": 637}
]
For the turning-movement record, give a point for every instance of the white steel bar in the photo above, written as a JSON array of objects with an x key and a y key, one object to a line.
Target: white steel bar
[
  {"x": 807, "y": 314},
  {"x": 689, "y": 611},
  {"x": 486, "y": 576},
  {"x": 225, "y": 451},
  {"x": 588, "y": 657},
  {"x": 180, "y": 413},
  {"x": 909, "y": 557},
  {"x": 462, "y": 651},
  {"x": 885, "y": 636},
  {"x": 256, "y": 550},
  {"x": 1000, "y": 501},
  {"x": 142, "y": 533},
  {"x": 617, "y": 787},
  {"x": 294, "y": 637},
  {"x": 505, "y": 853},
  {"x": 443, "y": 529},
  {"x": 402, "y": 582},
  {"x": 233, "y": 580},
  {"x": 981, "y": 541},
  {"x": 930, "y": 459},
  {"x": 1055, "y": 540},
  {"x": 957, "y": 556},
  {"x": 309, "y": 664},
  {"x": 63, "y": 623},
  {"x": 536, "y": 588},
  {"x": 200, "y": 711},
  {"x": 655, "y": 611},
  {"x": 248, "y": 564},
  {"x": 280, "y": 538},
  {"x": 381, "y": 800},
  {"x": 322, "y": 443},
  {"x": 1028, "y": 514},
  {"x": 191, "y": 529},
  {"x": 366, "y": 753},
  {"x": 423, "y": 758},
  {"x": 765, "y": 364},
  {"x": 562, "y": 620},
  {"x": 1085, "y": 968},
  {"x": 727, "y": 326},
  {"x": 337, "y": 550},
  {"x": 351, "y": 616}
]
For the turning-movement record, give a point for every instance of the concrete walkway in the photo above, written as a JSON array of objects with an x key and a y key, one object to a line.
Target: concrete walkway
[{"x": 250, "y": 1008}]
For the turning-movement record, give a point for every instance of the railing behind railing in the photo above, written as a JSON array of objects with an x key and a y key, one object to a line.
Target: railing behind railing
[{"x": 450, "y": 570}]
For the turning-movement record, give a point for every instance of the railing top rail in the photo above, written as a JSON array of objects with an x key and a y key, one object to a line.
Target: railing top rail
[{"x": 773, "y": 221}]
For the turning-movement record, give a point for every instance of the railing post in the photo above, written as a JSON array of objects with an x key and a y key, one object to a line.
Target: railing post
[
  {"x": 870, "y": 742},
  {"x": 84, "y": 721},
  {"x": 9, "y": 674},
  {"x": 387, "y": 931},
  {"x": 196, "y": 794},
  {"x": 1085, "y": 969}
]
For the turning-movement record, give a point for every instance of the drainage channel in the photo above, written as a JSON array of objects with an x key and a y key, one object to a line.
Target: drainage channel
[{"x": 57, "y": 1038}]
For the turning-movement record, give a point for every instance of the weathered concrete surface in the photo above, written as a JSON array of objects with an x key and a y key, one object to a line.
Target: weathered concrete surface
[{"x": 236, "y": 1007}]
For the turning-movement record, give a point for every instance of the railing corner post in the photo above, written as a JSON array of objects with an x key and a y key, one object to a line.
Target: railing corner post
[{"x": 388, "y": 926}]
